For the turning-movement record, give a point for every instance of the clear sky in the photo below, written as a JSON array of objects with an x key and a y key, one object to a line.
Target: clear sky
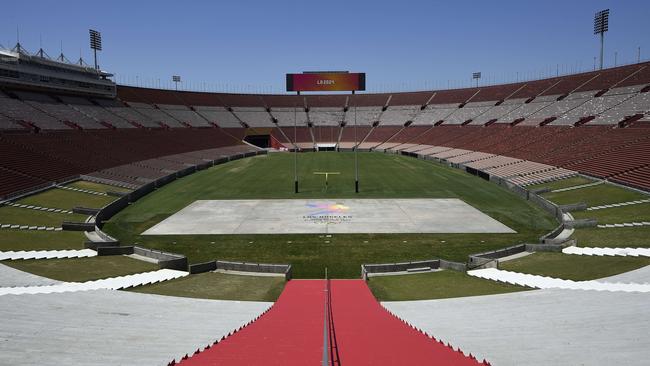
[{"x": 248, "y": 46}]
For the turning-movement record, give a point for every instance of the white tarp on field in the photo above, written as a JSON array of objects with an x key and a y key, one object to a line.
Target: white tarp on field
[{"x": 289, "y": 216}]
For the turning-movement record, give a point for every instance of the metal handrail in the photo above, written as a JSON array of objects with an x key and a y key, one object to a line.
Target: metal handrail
[{"x": 326, "y": 333}]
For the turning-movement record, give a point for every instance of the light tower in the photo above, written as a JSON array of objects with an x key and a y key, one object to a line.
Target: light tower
[
  {"x": 95, "y": 44},
  {"x": 477, "y": 75},
  {"x": 601, "y": 25},
  {"x": 176, "y": 79}
]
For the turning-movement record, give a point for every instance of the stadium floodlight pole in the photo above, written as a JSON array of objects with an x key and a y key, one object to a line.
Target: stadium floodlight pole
[
  {"x": 176, "y": 79},
  {"x": 477, "y": 76},
  {"x": 601, "y": 25},
  {"x": 95, "y": 43}
]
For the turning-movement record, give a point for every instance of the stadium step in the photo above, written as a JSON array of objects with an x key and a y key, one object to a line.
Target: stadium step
[
  {"x": 543, "y": 282},
  {"x": 46, "y": 254},
  {"x": 622, "y": 252},
  {"x": 620, "y": 204},
  {"x": 113, "y": 283}
]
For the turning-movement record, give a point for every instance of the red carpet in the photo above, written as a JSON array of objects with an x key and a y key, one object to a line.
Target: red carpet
[
  {"x": 362, "y": 333},
  {"x": 367, "y": 334},
  {"x": 291, "y": 333}
]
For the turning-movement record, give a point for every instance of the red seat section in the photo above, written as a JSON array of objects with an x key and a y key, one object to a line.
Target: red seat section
[
  {"x": 367, "y": 334},
  {"x": 29, "y": 160},
  {"x": 291, "y": 333}
]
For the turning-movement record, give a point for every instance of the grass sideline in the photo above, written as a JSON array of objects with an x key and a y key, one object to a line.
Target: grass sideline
[
  {"x": 15, "y": 240},
  {"x": 601, "y": 194},
  {"x": 617, "y": 215},
  {"x": 219, "y": 286},
  {"x": 83, "y": 269},
  {"x": 66, "y": 199},
  {"x": 620, "y": 237},
  {"x": 435, "y": 285},
  {"x": 381, "y": 175},
  {"x": 26, "y": 216},
  {"x": 573, "y": 267},
  {"x": 562, "y": 183},
  {"x": 97, "y": 187}
]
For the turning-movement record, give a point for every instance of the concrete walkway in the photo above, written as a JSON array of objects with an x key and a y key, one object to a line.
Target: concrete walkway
[{"x": 11, "y": 277}]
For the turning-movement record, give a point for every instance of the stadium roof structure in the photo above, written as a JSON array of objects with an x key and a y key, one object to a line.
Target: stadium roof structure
[{"x": 19, "y": 53}]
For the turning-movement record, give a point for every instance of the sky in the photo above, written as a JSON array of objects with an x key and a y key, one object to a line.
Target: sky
[{"x": 249, "y": 46}]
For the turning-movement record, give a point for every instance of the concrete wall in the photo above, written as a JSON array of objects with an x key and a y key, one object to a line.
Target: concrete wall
[
  {"x": 367, "y": 269},
  {"x": 114, "y": 250},
  {"x": 203, "y": 267},
  {"x": 400, "y": 267},
  {"x": 78, "y": 226},
  {"x": 581, "y": 223},
  {"x": 573, "y": 207},
  {"x": 85, "y": 210},
  {"x": 255, "y": 267},
  {"x": 165, "y": 259}
]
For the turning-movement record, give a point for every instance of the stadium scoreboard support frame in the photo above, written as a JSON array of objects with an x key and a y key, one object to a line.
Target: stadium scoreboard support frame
[{"x": 324, "y": 81}]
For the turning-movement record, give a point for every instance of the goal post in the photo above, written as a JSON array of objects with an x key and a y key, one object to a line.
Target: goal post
[{"x": 327, "y": 174}]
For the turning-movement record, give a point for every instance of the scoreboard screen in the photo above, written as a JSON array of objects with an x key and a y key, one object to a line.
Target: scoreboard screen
[{"x": 326, "y": 81}]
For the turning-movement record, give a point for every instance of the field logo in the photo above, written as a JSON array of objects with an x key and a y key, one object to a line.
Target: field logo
[
  {"x": 327, "y": 213},
  {"x": 327, "y": 208}
]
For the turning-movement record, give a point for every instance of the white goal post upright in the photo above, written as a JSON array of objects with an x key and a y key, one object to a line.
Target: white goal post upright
[
  {"x": 356, "y": 147},
  {"x": 295, "y": 148},
  {"x": 327, "y": 174}
]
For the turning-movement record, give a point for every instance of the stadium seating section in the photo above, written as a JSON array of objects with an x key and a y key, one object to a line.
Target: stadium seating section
[{"x": 594, "y": 123}]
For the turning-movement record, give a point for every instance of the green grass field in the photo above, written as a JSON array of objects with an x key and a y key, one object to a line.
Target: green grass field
[
  {"x": 219, "y": 286},
  {"x": 66, "y": 199},
  {"x": 25, "y": 216},
  {"x": 620, "y": 237},
  {"x": 617, "y": 215},
  {"x": 381, "y": 175},
  {"x": 97, "y": 187},
  {"x": 562, "y": 183},
  {"x": 16, "y": 240},
  {"x": 83, "y": 269},
  {"x": 435, "y": 285},
  {"x": 573, "y": 267},
  {"x": 601, "y": 194}
]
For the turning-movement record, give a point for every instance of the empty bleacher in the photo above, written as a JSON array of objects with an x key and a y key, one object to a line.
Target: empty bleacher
[
  {"x": 219, "y": 116},
  {"x": 155, "y": 114},
  {"x": 58, "y": 110},
  {"x": 289, "y": 116},
  {"x": 95, "y": 111},
  {"x": 469, "y": 112},
  {"x": 254, "y": 116},
  {"x": 34, "y": 159},
  {"x": 398, "y": 115},
  {"x": 126, "y": 113},
  {"x": 583, "y": 122},
  {"x": 185, "y": 115},
  {"x": 326, "y": 116},
  {"x": 18, "y": 110}
]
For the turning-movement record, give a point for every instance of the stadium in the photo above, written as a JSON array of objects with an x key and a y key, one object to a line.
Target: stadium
[{"x": 487, "y": 223}]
